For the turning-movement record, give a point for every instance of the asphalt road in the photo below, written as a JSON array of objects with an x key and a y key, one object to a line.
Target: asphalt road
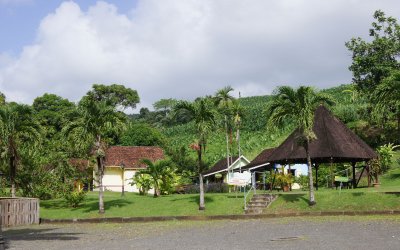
[{"x": 288, "y": 233}]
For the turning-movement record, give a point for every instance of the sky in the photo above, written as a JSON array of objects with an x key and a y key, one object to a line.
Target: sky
[{"x": 179, "y": 49}]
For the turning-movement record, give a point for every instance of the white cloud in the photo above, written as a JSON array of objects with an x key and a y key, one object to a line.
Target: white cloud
[{"x": 185, "y": 49}]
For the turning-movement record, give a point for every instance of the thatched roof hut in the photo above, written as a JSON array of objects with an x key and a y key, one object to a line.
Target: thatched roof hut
[{"x": 334, "y": 143}]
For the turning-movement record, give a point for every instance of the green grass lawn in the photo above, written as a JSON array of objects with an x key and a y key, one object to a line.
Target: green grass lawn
[
  {"x": 134, "y": 205},
  {"x": 360, "y": 199},
  {"x": 333, "y": 200}
]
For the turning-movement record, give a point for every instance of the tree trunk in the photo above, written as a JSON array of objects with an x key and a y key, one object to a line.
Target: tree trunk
[
  {"x": 310, "y": 177},
  {"x": 156, "y": 189},
  {"x": 202, "y": 206},
  {"x": 398, "y": 126},
  {"x": 227, "y": 143},
  {"x": 101, "y": 190},
  {"x": 13, "y": 168}
]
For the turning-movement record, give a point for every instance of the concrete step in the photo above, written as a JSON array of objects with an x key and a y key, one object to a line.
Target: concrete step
[
  {"x": 251, "y": 203},
  {"x": 259, "y": 202}
]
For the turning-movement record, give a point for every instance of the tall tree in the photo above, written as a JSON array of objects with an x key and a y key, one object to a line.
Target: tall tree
[
  {"x": 298, "y": 106},
  {"x": 374, "y": 60},
  {"x": 203, "y": 114},
  {"x": 98, "y": 120},
  {"x": 115, "y": 95},
  {"x": 387, "y": 97},
  {"x": 18, "y": 129},
  {"x": 224, "y": 102}
]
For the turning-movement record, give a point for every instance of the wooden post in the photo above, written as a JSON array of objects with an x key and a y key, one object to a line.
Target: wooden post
[
  {"x": 353, "y": 164},
  {"x": 316, "y": 176},
  {"x": 331, "y": 173},
  {"x": 290, "y": 184},
  {"x": 270, "y": 184},
  {"x": 1, "y": 234},
  {"x": 369, "y": 177}
]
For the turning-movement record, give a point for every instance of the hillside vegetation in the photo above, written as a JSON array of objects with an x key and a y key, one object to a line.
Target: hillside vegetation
[{"x": 255, "y": 136}]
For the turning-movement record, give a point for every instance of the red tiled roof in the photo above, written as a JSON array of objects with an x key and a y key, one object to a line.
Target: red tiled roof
[{"x": 130, "y": 156}]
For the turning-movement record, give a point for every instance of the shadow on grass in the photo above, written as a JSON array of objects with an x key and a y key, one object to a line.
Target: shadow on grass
[
  {"x": 239, "y": 196},
  {"x": 393, "y": 176},
  {"x": 195, "y": 198},
  {"x": 293, "y": 198},
  {"x": 94, "y": 206},
  {"x": 90, "y": 204},
  {"x": 357, "y": 194},
  {"x": 37, "y": 234}
]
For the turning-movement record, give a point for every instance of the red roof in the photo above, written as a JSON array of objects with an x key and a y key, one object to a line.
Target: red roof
[{"x": 130, "y": 156}]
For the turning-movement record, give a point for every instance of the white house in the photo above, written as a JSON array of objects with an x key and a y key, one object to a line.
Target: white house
[
  {"x": 219, "y": 172},
  {"x": 121, "y": 164}
]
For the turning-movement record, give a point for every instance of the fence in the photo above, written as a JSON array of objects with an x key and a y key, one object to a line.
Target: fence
[{"x": 19, "y": 211}]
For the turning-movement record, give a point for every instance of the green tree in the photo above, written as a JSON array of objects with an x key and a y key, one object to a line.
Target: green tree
[
  {"x": 115, "y": 95},
  {"x": 202, "y": 112},
  {"x": 374, "y": 60},
  {"x": 97, "y": 120},
  {"x": 165, "y": 105},
  {"x": 224, "y": 102},
  {"x": 53, "y": 111},
  {"x": 387, "y": 97},
  {"x": 141, "y": 134},
  {"x": 2, "y": 99},
  {"x": 159, "y": 171},
  {"x": 298, "y": 106},
  {"x": 18, "y": 129}
]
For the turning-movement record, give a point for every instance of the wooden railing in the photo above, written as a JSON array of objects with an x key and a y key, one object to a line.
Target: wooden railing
[{"x": 19, "y": 211}]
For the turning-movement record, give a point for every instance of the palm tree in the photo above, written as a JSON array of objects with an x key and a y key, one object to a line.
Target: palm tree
[
  {"x": 203, "y": 114},
  {"x": 96, "y": 121},
  {"x": 298, "y": 106},
  {"x": 18, "y": 129},
  {"x": 158, "y": 171},
  {"x": 224, "y": 101}
]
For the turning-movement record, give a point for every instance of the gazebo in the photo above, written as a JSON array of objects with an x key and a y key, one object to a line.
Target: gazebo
[{"x": 334, "y": 143}]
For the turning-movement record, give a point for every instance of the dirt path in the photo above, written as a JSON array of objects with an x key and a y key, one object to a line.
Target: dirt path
[{"x": 288, "y": 233}]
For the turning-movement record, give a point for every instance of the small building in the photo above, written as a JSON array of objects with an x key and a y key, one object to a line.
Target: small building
[
  {"x": 219, "y": 172},
  {"x": 122, "y": 162}
]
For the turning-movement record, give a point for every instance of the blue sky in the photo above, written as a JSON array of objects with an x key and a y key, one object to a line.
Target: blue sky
[
  {"x": 178, "y": 48},
  {"x": 19, "y": 19}
]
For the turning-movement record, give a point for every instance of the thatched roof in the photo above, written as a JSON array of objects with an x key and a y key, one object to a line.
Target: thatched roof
[
  {"x": 261, "y": 160},
  {"x": 335, "y": 143}
]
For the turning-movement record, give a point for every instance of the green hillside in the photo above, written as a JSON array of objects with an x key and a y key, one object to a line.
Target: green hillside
[{"x": 254, "y": 134}]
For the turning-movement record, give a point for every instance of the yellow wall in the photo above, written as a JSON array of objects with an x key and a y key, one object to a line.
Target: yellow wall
[{"x": 112, "y": 180}]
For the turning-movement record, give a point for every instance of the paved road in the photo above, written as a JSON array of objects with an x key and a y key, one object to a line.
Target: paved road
[{"x": 288, "y": 233}]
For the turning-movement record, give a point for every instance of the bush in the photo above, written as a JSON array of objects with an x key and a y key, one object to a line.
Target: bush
[
  {"x": 303, "y": 181},
  {"x": 74, "y": 198},
  {"x": 208, "y": 188}
]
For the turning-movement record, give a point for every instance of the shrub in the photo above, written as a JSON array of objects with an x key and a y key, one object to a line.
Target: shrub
[
  {"x": 303, "y": 181},
  {"x": 143, "y": 182},
  {"x": 74, "y": 198},
  {"x": 208, "y": 188}
]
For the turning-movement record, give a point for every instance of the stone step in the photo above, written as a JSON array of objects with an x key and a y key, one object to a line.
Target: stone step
[
  {"x": 253, "y": 211},
  {"x": 256, "y": 207},
  {"x": 259, "y": 202}
]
